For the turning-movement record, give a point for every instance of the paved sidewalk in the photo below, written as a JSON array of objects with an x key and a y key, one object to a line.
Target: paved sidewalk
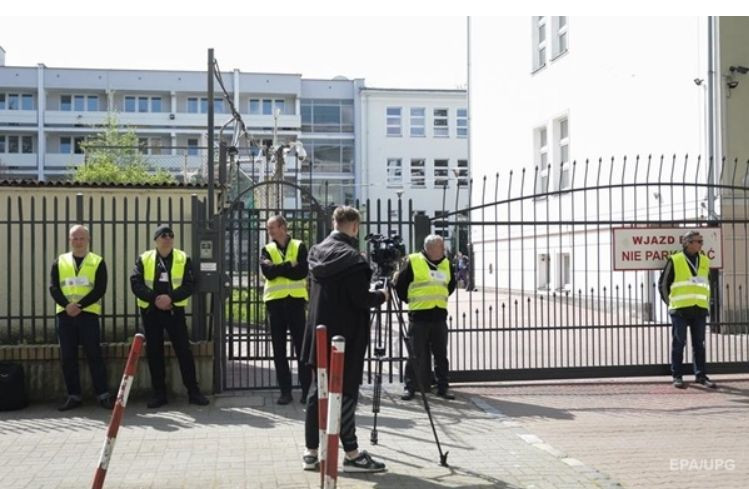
[{"x": 247, "y": 441}]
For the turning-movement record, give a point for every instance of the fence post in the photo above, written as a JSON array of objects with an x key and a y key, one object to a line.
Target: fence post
[
  {"x": 79, "y": 208},
  {"x": 321, "y": 335},
  {"x": 338, "y": 346}
]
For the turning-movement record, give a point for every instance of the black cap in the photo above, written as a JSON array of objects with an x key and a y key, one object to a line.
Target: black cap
[{"x": 163, "y": 228}]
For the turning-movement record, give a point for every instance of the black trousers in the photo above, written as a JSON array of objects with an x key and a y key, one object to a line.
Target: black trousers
[
  {"x": 81, "y": 330},
  {"x": 428, "y": 338},
  {"x": 155, "y": 321},
  {"x": 347, "y": 431},
  {"x": 288, "y": 315}
]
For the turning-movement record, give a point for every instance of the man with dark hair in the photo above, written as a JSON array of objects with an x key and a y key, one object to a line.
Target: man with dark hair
[
  {"x": 340, "y": 299},
  {"x": 284, "y": 266},
  {"x": 78, "y": 281},
  {"x": 685, "y": 287},
  {"x": 162, "y": 281}
]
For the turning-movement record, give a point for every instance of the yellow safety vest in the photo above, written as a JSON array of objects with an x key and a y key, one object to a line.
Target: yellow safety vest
[
  {"x": 429, "y": 287},
  {"x": 76, "y": 285},
  {"x": 689, "y": 290},
  {"x": 177, "y": 273},
  {"x": 281, "y": 287}
]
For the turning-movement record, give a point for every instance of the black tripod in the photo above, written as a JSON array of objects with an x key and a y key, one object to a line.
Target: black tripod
[{"x": 380, "y": 350}]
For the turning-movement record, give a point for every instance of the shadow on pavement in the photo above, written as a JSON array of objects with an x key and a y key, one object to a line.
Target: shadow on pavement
[{"x": 389, "y": 480}]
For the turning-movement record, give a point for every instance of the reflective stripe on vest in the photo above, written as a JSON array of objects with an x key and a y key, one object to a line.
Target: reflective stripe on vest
[
  {"x": 282, "y": 287},
  {"x": 179, "y": 260},
  {"x": 688, "y": 290},
  {"x": 76, "y": 286},
  {"x": 429, "y": 287}
]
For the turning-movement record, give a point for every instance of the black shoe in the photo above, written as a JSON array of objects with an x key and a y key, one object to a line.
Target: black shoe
[
  {"x": 679, "y": 383},
  {"x": 107, "y": 403},
  {"x": 704, "y": 380},
  {"x": 156, "y": 402},
  {"x": 197, "y": 398},
  {"x": 362, "y": 463},
  {"x": 446, "y": 394},
  {"x": 303, "y": 399},
  {"x": 310, "y": 462},
  {"x": 284, "y": 399},
  {"x": 69, "y": 404},
  {"x": 407, "y": 395}
]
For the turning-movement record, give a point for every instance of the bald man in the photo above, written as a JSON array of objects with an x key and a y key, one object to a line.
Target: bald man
[{"x": 78, "y": 281}]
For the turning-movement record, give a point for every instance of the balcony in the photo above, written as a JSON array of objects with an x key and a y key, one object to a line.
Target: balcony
[
  {"x": 15, "y": 160},
  {"x": 18, "y": 117},
  {"x": 63, "y": 160}
]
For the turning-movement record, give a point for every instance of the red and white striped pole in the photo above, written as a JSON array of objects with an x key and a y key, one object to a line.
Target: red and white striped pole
[
  {"x": 119, "y": 410},
  {"x": 321, "y": 336},
  {"x": 338, "y": 345}
]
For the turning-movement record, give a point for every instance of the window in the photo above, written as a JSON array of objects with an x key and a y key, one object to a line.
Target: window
[
  {"x": 203, "y": 105},
  {"x": 2, "y": 144},
  {"x": 65, "y": 103},
  {"x": 142, "y": 104},
  {"x": 462, "y": 123},
  {"x": 71, "y": 145},
  {"x": 12, "y": 101},
  {"x": 129, "y": 104},
  {"x": 254, "y": 106},
  {"x": 27, "y": 144},
  {"x": 218, "y": 105},
  {"x": 192, "y": 105},
  {"x": 2, "y": 101},
  {"x": 418, "y": 173},
  {"x": 65, "y": 145},
  {"x": 77, "y": 148},
  {"x": 27, "y": 102},
  {"x": 543, "y": 267},
  {"x": 92, "y": 103},
  {"x": 563, "y": 152},
  {"x": 192, "y": 147},
  {"x": 539, "y": 42},
  {"x": 559, "y": 39},
  {"x": 327, "y": 115},
  {"x": 267, "y": 107},
  {"x": 418, "y": 122},
  {"x": 563, "y": 271},
  {"x": 440, "y": 173},
  {"x": 393, "y": 121},
  {"x": 462, "y": 173},
  {"x": 280, "y": 106},
  {"x": 155, "y": 104},
  {"x": 395, "y": 172},
  {"x": 12, "y": 144},
  {"x": 441, "y": 128},
  {"x": 541, "y": 158},
  {"x": 329, "y": 156},
  {"x": 79, "y": 103}
]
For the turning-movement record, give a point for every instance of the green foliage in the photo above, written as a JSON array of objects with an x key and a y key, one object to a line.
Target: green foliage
[
  {"x": 112, "y": 156},
  {"x": 246, "y": 307}
]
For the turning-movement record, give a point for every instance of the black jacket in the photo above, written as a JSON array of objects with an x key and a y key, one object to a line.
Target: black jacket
[
  {"x": 404, "y": 279},
  {"x": 142, "y": 292},
  {"x": 340, "y": 299},
  {"x": 100, "y": 286}
]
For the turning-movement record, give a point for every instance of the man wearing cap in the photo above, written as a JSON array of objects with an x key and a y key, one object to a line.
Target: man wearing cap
[
  {"x": 162, "y": 281},
  {"x": 78, "y": 281},
  {"x": 284, "y": 266},
  {"x": 685, "y": 287}
]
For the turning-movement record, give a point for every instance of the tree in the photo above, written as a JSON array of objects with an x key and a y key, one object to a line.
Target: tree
[{"x": 113, "y": 156}]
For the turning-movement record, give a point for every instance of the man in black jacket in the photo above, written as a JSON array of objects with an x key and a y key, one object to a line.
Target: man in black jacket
[
  {"x": 284, "y": 266},
  {"x": 162, "y": 281},
  {"x": 340, "y": 299},
  {"x": 425, "y": 281}
]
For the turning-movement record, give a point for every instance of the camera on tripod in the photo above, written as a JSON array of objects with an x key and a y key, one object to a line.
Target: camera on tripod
[{"x": 386, "y": 252}]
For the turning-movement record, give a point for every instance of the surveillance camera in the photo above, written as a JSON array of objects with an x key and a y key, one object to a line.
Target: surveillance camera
[
  {"x": 741, "y": 69},
  {"x": 732, "y": 84},
  {"x": 698, "y": 81}
]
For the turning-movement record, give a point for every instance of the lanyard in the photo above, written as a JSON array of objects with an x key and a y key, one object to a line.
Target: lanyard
[
  {"x": 689, "y": 262},
  {"x": 163, "y": 265}
]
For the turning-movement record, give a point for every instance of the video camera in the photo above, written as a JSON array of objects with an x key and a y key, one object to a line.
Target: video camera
[{"x": 386, "y": 252}]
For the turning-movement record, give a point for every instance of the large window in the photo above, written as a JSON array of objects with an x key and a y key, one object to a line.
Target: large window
[
  {"x": 441, "y": 169},
  {"x": 27, "y": 144},
  {"x": 90, "y": 103},
  {"x": 319, "y": 115},
  {"x": 267, "y": 106},
  {"x": 328, "y": 156},
  {"x": 16, "y": 101},
  {"x": 418, "y": 122},
  {"x": 462, "y": 123},
  {"x": 541, "y": 158},
  {"x": 394, "y": 172},
  {"x": 16, "y": 144},
  {"x": 539, "y": 42},
  {"x": 394, "y": 121},
  {"x": 418, "y": 173},
  {"x": 70, "y": 145},
  {"x": 197, "y": 105},
  {"x": 441, "y": 126},
  {"x": 559, "y": 39}
]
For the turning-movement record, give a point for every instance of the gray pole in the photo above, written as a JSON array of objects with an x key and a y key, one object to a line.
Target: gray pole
[
  {"x": 210, "y": 136},
  {"x": 712, "y": 118}
]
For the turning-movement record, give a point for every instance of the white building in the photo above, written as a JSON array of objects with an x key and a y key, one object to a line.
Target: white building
[
  {"x": 550, "y": 91},
  {"x": 45, "y": 113}
]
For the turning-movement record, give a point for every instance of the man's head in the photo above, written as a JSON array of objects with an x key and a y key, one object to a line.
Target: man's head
[
  {"x": 277, "y": 228},
  {"x": 346, "y": 220},
  {"x": 434, "y": 247},
  {"x": 79, "y": 239},
  {"x": 692, "y": 242},
  {"x": 163, "y": 236}
]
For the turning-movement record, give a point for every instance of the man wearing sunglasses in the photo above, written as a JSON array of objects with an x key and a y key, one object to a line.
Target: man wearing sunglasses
[
  {"x": 162, "y": 281},
  {"x": 685, "y": 287}
]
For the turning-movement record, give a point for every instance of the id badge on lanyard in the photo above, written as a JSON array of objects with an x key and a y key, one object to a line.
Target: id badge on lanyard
[{"x": 163, "y": 275}]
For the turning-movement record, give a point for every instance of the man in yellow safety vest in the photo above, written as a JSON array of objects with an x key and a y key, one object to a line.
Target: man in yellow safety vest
[
  {"x": 685, "y": 287},
  {"x": 78, "y": 282},
  {"x": 284, "y": 266}
]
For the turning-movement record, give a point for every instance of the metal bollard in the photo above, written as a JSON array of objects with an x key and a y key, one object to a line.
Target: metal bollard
[
  {"x": 334, "y": 410},
  {"x": 321, "y": 337},
  {"x": 119, "y": 410}
]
